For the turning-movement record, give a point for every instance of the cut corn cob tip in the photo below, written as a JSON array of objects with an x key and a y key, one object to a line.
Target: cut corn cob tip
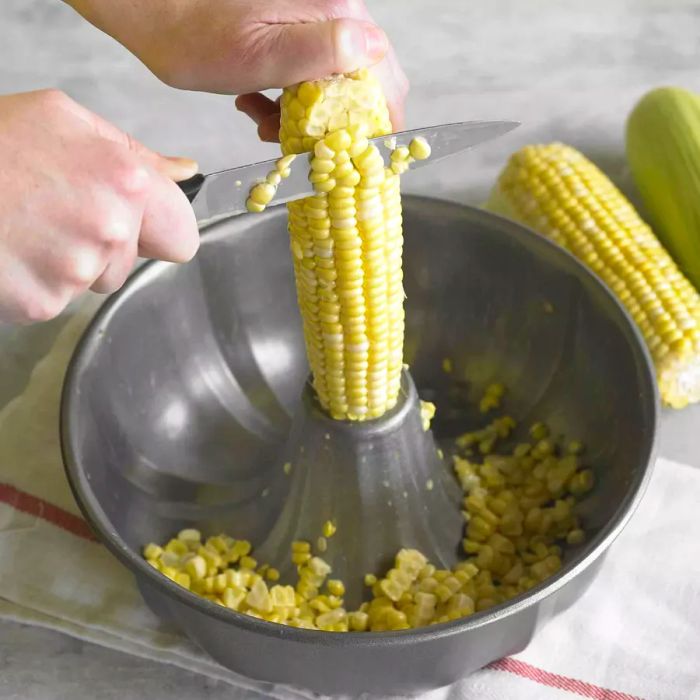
[{"x": 560, "y": 194}]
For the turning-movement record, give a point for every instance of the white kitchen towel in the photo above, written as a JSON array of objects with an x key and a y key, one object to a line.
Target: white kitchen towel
[{"x": 634, "y": 634}]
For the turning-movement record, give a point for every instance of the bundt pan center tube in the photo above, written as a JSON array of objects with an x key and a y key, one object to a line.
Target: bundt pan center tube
[{"x": 187, "y": 392}]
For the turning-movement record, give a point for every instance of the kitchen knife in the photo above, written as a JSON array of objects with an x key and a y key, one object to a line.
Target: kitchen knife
[{"x": 224, "y": 193}]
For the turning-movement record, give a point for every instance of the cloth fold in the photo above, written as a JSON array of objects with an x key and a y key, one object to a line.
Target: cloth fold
[{"x": 634, "y": 634}]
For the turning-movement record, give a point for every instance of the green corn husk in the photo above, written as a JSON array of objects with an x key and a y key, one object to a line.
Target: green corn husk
[{"x": 663, "y": 150}]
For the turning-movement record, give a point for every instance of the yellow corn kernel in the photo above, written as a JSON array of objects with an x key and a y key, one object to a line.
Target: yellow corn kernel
[
  {"x": 248, "y": 562},
  {"x": 419, "y": 148},
  {"x": 152, "y": 551},
  {"x": 220, "y": 543},
  {"x": 582, "y": 482},
  {"x": 319, "y": 567},
  {"x": 254, "y": 207},
  {"x": 299, "y": 558},
  {"x": 329, "y": 528},
  {"x": 427, "y": 413},
  {"x": 259, "y": 597},
  {"x": 196, "y": 567},
  {"x": 575, "y": 537},
  {"x": 233, "y": 597},
  {"x": 189, "y": 535},
  {"x": 242, "y": 547},
  {"x": 329, "y": 620},
  {"x": 176, "y": 547},
  {"x": 335, "y": 587},
  {"x": 358, "y": 621},
  {"x": 170, "y": 572},
  {"x": 182, "y": 579}
]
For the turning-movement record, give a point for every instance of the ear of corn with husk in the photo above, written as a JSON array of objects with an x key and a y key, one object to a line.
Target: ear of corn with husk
[
  {"x": 663, "y": 150},
  {"x": 559, "y": 193}
]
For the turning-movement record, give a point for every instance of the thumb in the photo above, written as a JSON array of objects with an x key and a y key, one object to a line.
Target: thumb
[
  {"x": 174, "y": 168},
  {"x": 312, "y": 50}
]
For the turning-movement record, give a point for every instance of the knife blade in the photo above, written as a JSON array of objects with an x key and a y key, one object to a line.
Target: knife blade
[{"x": 224, "y": 193}]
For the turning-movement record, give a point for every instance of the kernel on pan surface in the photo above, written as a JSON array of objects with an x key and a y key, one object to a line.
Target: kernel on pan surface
[
  {"x": 556, "y": 191},
  {"x": 519, "y": 510}
]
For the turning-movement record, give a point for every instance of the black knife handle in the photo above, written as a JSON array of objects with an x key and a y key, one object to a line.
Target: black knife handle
[{"x": 191, "y": 186}]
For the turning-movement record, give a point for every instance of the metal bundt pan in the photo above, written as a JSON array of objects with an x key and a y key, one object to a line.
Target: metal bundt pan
[{"x": 181, "y": 395}]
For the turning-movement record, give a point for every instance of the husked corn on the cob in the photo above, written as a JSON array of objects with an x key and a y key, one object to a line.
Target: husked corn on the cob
[
  {"x": 556, "y": 191},
  {"x": 347, "y": 242}
]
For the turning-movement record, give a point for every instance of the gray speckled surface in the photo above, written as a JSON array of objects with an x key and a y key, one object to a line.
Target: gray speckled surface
[{"x": 568, "y": 71}]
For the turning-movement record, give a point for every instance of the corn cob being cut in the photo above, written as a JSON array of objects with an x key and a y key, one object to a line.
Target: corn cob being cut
[
  {"x": 556, "y": 191},
  {"x": 346, "y": 243}
]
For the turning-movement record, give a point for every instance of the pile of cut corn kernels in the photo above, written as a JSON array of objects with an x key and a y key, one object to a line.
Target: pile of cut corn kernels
[{"x": 519, "y": 513}]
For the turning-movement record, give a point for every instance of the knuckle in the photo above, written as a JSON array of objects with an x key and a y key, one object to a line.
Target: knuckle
[
  {"x": 168, "y": 67},
  {"x": 52, "y": 96},
  {"x": 42, "y": 308},
  {"x": 345, "y": 8},
  {"x": 127, "y": 175},
  {"x": 113, "y": 230},
  {"x": 132, "y": 179},
  {"x": 82, "y": 268}
]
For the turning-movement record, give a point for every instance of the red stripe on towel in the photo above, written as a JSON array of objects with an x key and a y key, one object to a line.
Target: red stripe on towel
[
  {"x": 26, "y": 503},
  {"x": 554, "y": 680}
]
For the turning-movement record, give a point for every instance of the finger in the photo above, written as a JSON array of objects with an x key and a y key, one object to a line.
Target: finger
[
  {"x": 256, "y": 106},
  {"x": 168, "y": 228},
  {"x": 397, "y": 113},
  {"x": 264, "y": 112},
  {"x": 312, "y": 50},
  {"x": 26, "y": 298},
  {"x": 117, "y": 271},
  {"x": 269, "y": 128},
  {"x": 395, "y": 87}
]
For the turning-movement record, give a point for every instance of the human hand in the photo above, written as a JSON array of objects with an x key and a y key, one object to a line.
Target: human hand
[
  {"x": 80, "y": 201},
  {"x": 242, "y": 47}
]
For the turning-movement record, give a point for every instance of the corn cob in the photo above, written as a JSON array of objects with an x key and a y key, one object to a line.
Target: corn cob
[
  {"x": 663, "y": 151},
  {"x": 556, "y": 191},
  {"x": 346, "y": 242}
]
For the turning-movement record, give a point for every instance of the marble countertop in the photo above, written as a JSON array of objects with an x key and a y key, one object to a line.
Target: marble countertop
[{"x": 568, "y": 71}]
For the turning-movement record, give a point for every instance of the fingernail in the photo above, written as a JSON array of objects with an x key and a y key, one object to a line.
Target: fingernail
[
  {"x": 376, "y": 43},
  {"x": 360, "y": 43},
  {"x": 181, "y": 168}
]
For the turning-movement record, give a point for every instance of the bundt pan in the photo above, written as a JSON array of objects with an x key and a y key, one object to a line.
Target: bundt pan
[{"x": 183, "y": 392}]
